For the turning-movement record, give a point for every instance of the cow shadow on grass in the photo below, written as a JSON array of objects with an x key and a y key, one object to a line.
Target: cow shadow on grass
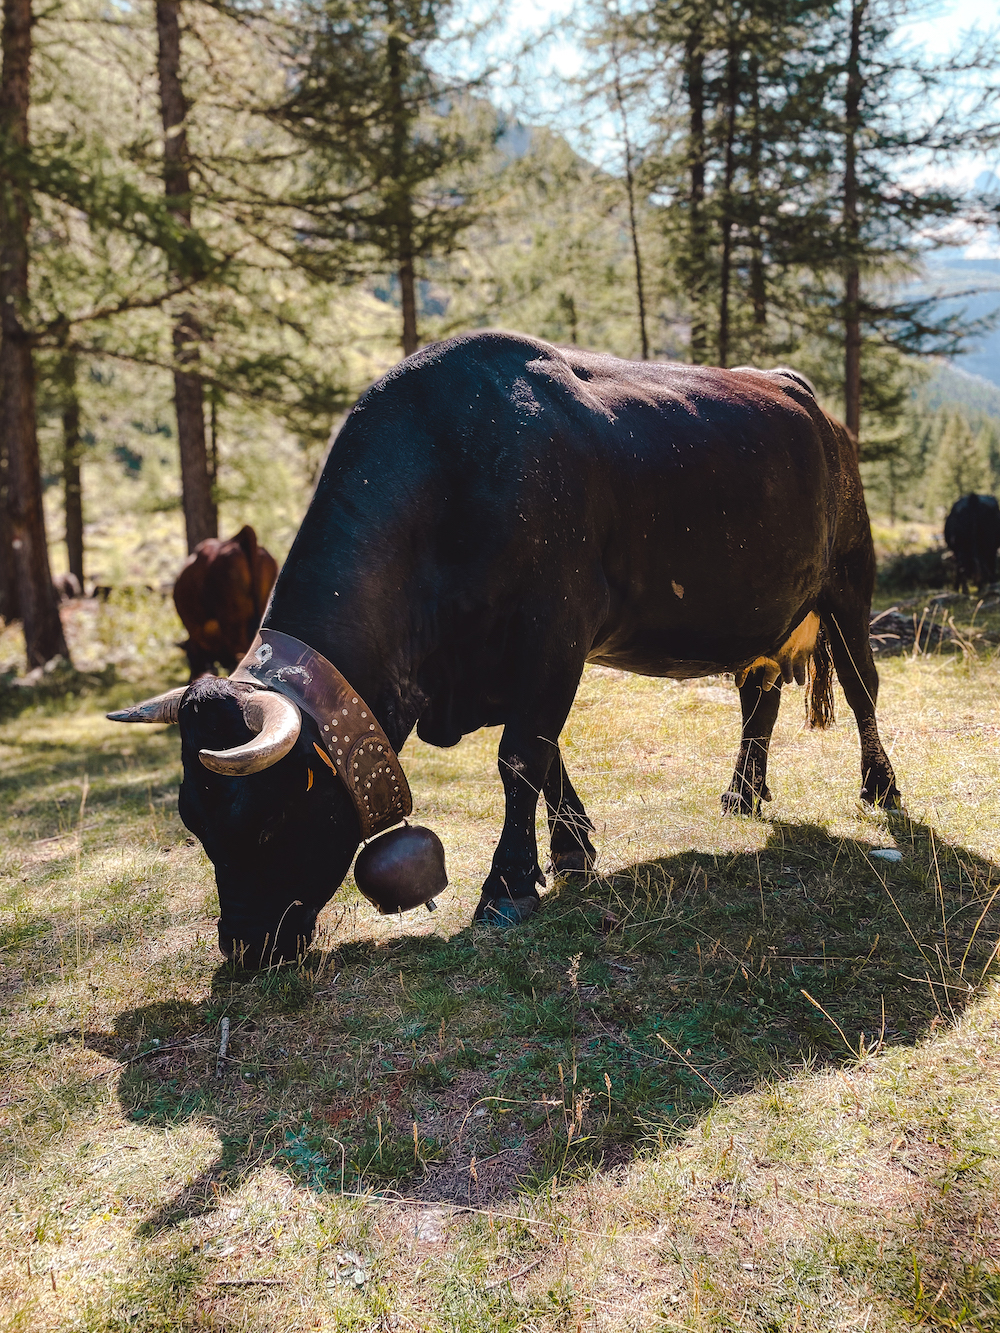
[{"x": 470, "y": 1068}]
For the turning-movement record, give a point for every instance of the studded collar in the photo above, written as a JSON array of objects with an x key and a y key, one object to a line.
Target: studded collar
[{"x": 353, "y": 743}]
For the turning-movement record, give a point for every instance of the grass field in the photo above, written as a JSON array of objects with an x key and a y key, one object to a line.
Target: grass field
[{"x": 745, "y": 1077}]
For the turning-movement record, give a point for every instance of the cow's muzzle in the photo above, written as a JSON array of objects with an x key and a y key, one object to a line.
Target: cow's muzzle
[{"x": 288, "y": 940}]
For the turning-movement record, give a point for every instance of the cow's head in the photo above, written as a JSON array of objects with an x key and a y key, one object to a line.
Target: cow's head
[{"x": 276, "y": 822}]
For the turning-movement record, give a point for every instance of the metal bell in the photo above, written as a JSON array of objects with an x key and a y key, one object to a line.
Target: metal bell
[{"x": 401, "y": 869}]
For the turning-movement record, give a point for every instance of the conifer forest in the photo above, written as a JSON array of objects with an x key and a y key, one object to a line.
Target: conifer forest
[{"x": 220, "y": 221}]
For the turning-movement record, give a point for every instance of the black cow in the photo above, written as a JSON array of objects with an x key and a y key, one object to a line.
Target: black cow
[
  {"x": 495, "y": 513},
  {"x": 972, "y": 534}
]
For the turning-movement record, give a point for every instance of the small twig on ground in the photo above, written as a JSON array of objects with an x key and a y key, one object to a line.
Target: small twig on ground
[
  {"x": 250, "y": 1282},
  {"x": 684, "y": 1060},
  {"x": 67, "y": 833},
  {"x": 223, "y": 1046},
  {"x": 151, "y": 1054},
  {"x": 491, "y": 1286},
  {"x": 856, "y": 1054}
]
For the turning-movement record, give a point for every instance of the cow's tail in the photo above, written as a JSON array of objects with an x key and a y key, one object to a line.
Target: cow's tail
[{"x": 819, "y": 687}]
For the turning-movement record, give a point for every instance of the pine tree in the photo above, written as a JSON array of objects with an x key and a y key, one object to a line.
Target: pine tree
[
  {"x": 67, "y": 371},
  {"x": 201, "y": 518},
  {"x": 782, "y": 175},
  {"x": 389, "y": 145},
  {"x": 881, "y": 107},
  {"x": 961, "y": 465},
  {"x": 728, "y": 89}
]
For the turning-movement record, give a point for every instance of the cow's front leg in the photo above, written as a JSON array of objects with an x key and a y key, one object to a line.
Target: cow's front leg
[
  {"x": 200, "y": 661},
  {"x": 569, "y": 823},
  {"x": 760, "y": 711},
  {"x": 510, "y": 893}
]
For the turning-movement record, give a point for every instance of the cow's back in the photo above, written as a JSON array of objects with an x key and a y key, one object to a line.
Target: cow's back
[{"x": 670, "y": 516}]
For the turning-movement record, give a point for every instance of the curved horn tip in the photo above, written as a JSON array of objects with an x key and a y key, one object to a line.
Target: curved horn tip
[
  {"x": 161, "y": 708},
  {"x": 276, "y": 720}
]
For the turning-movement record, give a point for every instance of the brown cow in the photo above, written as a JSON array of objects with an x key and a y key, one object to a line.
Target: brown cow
[{"x": 220, "y": 595}]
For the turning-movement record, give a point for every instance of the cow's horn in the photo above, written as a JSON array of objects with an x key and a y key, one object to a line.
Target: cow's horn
[
  {"x": 277, "y": 722},
  {"x": 161, "y": 709}
]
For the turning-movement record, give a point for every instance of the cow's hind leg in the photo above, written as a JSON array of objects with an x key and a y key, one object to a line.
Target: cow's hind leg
[
  {"x": 846, "y": 622},
  {"x": 760, "y": 710},
  {"x": 569, "y": 823}
]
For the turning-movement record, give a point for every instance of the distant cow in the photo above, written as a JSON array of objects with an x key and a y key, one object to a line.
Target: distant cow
[
  {"x": 67, "y": 587},
  {"x": 972, "y": 533},
  {"x": 220, "y": 595}
]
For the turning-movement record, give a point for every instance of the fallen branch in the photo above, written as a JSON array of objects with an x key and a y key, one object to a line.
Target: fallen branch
[
  {"x": 250, "y": 1282},
  {"x": 223, "y": 1046},
  {"x": 684, "y": 1060},
  {"x": 514, "y": 1276}
]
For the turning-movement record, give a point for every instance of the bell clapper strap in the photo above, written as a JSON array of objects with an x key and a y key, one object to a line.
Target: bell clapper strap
[{"x": 354, "y": 744}]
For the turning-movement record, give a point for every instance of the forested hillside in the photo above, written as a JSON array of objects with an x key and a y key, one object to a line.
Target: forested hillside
[{"x": 222, "y": 221}]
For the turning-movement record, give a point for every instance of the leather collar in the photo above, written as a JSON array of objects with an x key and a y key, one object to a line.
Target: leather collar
[{"x": 354, "y": 744}]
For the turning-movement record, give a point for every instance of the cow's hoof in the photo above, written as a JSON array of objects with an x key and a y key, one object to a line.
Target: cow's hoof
[
  {"x": 890, "y": 800},
  {"x": 505, "y": 912},
  {"x": 576, "y": 862},
  {"x": 741, "y": 803}
]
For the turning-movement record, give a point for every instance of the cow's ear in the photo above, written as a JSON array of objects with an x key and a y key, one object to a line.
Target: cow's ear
[{"x": 162, "y": 708}]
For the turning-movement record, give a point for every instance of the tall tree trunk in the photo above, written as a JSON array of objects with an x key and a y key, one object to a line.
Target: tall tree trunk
[
  {"x": 633, "y": 226},
  {"x": 72, "y": 450},
  {"x": 852, "y": 274},
  {"x": 725, "y": 267},
  {"x": 201, "y": 517},
  {"x": 10, "y": 606},
  {"x": 213, "y": 438},
  {"x": 25, "y": 527},
  {"x": 758, "y": 288},
  {"x": 694, "y": 64},
  {"x": 408, "y": 293},
  {"x": 400, "y": 114}
]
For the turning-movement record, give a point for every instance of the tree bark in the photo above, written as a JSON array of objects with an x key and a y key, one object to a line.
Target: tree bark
[
  {"x": 24, "y": 536},
  {"x": 633, "y": 226},
  {"x": 852, "y": 274},
  {"x": 403, "y": 204},
  {"x": 408, "y": 293},
  {"x": 10, "y": 606},
  {"x": 725, "y": 267},
  {"x": 694, "y": 63},
  {"x": 758, "y": 286},
  {"x": 72, "y": 450},
  {"x": 201, "y": 517}
]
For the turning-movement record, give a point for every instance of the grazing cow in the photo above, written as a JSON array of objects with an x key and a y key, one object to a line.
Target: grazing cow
[
  {"x": 220, "y": 595},
  {"x": 972, "y": 534},
  {"x": 495, "y": 513}
]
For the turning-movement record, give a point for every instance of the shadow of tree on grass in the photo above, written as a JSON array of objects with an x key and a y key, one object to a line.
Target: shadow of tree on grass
[{"x": 467, "y": 1069}]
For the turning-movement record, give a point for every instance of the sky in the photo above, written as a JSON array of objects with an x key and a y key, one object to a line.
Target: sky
[{"x": 937, "y": 30}]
